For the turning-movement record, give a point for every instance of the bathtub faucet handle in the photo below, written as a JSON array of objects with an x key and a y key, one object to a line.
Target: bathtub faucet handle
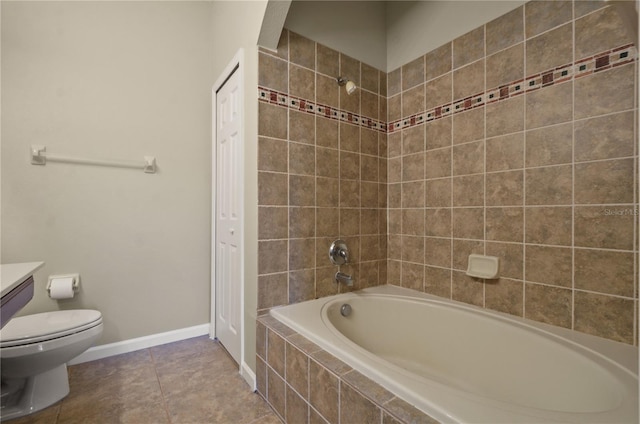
[{"x": 339, "y": 253}]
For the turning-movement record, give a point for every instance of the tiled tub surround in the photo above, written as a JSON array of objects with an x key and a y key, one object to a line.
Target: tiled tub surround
[
  {"x": 448, "y": 383},
  {"x": 543, "y": 175},
  {"x": 322, "y": 171},
  {"x": 305, "y": 384}
]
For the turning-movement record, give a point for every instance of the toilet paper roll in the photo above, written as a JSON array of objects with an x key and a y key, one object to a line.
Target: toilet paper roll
[{"x": 61, "y": 288}]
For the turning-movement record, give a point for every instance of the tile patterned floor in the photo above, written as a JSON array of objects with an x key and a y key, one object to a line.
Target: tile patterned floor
[{"x": 191, "y": 381}]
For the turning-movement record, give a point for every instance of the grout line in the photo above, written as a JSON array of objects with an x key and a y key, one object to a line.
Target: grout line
[{"x": 573, "y": 174}]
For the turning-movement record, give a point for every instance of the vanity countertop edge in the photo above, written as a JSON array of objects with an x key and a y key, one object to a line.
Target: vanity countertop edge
[{"x": 11, "y": 275}]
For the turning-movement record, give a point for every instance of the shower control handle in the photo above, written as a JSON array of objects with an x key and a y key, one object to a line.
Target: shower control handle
[{"x": 339, "y": 253}]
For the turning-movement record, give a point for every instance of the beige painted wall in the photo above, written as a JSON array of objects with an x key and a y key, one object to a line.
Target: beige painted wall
[
  {"x": 388, "y": 34},
  {"x": 237, "y": 25},
  {"x": 111, "y": 80}
]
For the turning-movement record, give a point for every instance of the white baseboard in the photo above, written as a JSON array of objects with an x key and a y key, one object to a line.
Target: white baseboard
[
  {"x": 248, "y": 375},
  {"x": 125, "y": 346}
]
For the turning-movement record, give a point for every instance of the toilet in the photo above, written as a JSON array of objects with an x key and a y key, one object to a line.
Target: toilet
[{"x": 34, "y": 351}]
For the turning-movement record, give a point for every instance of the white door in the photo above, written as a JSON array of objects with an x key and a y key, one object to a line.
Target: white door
[{"x": 228, "y": 217}]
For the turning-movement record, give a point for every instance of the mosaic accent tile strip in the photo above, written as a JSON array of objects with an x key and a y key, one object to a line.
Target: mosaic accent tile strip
[
  {"x": 583, "y": 67},
  {"x": 295, "y": 103},
  {"x": 602, "y": 61}
]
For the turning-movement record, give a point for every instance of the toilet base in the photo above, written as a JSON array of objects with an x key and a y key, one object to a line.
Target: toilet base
[{"x": 24, "y": 397}]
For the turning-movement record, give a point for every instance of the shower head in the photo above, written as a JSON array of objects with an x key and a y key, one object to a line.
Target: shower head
[{"x": 349, "y": 85}]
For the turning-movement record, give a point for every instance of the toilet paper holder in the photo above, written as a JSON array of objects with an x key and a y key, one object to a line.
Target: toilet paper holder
[{"x": 74, "y": 277}]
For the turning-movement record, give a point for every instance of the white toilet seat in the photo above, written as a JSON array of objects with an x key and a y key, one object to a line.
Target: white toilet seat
[{"x": 38, "y": 328}]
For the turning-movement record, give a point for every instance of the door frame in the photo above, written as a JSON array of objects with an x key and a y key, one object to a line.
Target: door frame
[{"x": 235, "y": 65}]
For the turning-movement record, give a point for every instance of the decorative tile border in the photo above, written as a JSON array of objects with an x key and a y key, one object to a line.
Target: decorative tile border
[
  {"x": 295, "y": 103},
  {"x": 583, "y": 67}
]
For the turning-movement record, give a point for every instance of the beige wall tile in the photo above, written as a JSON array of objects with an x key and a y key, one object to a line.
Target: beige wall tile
[
  {"x": 302, "y": 254},
  {"x": 468, "y": 190},
  {"x": 588, "y": 6},
  {"x": 350, "y": 193},
  {"x": 461, "y": 251},
  {"x": 609, "y": 227},
  {"x": 327, "y": 192},
  {"x": 600, "y": 31},
  {"x": 505, "y": 152},
  {"x": 608, "y": 181},
  {"x": 543, "y": 15},
  {"x": 505, "y": 117},
  {"x": 327, "y": 162},
  {"x": 437, "y": 281},
  {"x": 413, "y": 195},
  {"x": 413, "y": 222},
  {"x": 467, "y": 289},
  {"x": 605, "y": 137},
  {"x": 511, "y": 259},
  {"x": 302, "y": 51},
  {"x": 468, "y": 80},
  {"x": 413, "y": 101},
  {"x": 370, "y": 78},
  {"x": 272, "y": 121},
  {"x": 328, "y": 61},
  {"x": 302, "y": 284},
  {"x": 505, "y": 31},
  {"x": 468, "y": 126},
  {"x": 549, "y": 145},
  {"x": 413, "y": 140},
  {"x": 327, "y": 92},
  {"x": 504, "y": 188},
  {"x": 296, "y": 409},
  {"x": 593, "y": 315},
  {"x": 605, "y": 92},
  {"x": 327, "y": 222},
  {"x": 438, "y": 163},
  {"x": 369, "y": 104},
  {"x": 301, "y": 190},
  {"x": 551, "y": 105},
  {"x": 275, "y": 352},
  {"x": 505, "y": 295},
  {"x": 272, "y": 188},
  {"x": 437, "y": 251},
  {"x": 350, "y": 102},
  {"x": 272, "y": 290},
  {"x": 350, "y": 68},
  {"x": 550, "y": 50},
  {"x": 302, "y": 222},
  {"x": 349, "y": 137},
  {"x": 413, "y": 73},
  {"x": 270, "y": 257},
  {"x": 394, "y": 82},
  {"x": 438, "y": 61},
  {"x": 356, "y": 408},
  {"x": 437, "y": 222},
  {"x": 604, "y": 271},
  {"x": 468, "y": 158},
  {"x": 549, "y": 186},
  {"x": 272, "y": 155},
  {"x": 548, "y": 265},
  {"x": 505, "y": 66},
  {"x": 438, "y": 133},
  {"x": 468, "y": 48},
  {"x": 323, "y": 393},
  {"x": 302, "y": 158},
  {"x": 551, "y": 305},
  {"x": 272, "y": 73},
  {"x": 548, "y": 225},
  {"x": 302, "y": 83},
  {"x": 272, "y": 223},
  {"x": 413, "y": 167},
  {"x": 468, "y": 223},
  {"x": 413, "y": 249},
  {"x": 349, "y": 165},
  {"x": 505, "y": 224},
  {"x": 412, "y": 276},
  {"x": 276, "y": 391},
  {"x": 438, "y": 91},
  {"x": 327, "y": 132}
]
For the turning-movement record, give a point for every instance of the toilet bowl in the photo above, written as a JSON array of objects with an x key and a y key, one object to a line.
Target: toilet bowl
[{"x": 34, "y": 351}]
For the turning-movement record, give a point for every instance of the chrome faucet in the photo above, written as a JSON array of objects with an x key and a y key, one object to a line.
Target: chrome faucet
[{"x": 345, "y": 279}]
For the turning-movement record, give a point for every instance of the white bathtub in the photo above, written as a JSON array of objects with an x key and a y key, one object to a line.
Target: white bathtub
[{"x": 459, "y": 363}]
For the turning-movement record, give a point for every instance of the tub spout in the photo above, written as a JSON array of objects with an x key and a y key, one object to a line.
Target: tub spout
[{"x": 345, "y": 279}]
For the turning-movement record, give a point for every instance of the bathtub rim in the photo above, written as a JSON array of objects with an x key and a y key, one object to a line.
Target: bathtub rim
[{"x": 622, "y": 355}]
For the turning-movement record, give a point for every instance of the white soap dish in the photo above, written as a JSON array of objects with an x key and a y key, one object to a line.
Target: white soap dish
[{"x": 482, "y": 266}]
